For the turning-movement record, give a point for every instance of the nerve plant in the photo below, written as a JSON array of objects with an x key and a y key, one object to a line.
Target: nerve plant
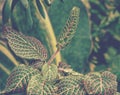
[{"x": 47, "y": 78}]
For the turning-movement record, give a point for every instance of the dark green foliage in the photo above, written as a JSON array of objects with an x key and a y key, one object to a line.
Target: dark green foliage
[
  {"x": 105, "y": 17},
  {"x": 42, "y": 77},
  {"x": 20, "y": 22},
  {"x": 115, "y": 65},
  {"x": 6, "y": 12}
]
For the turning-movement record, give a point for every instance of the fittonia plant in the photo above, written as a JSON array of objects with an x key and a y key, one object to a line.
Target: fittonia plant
[{"x": 48, "y": 78}]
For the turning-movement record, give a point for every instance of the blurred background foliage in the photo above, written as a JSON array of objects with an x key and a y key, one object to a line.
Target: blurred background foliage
[
  {"x": 105, "y": 30},
  {"x": 104, "y": 16}
]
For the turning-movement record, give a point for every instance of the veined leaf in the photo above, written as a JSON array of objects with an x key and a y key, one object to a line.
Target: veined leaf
[
  {"x": 37, "y": 86},
  {"x": 109, "y": 75},
  {"x": 76, "y": 54},
  {"x": 19, "y": 78},
  {"x": 71, "y": 85},
  {"x": 70, "y": 28},
  {"x": 25, "y": 46},
  {"x": 100, "y": 84},
  {"x": 49, "y": 71}
]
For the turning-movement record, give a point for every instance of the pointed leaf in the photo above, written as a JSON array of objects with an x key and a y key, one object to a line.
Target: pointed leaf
[
  {"x": 49, "y": 71},
  {"x": 76, "y": 54},
  {"x": 71, "y": 85},
  {"x": 19, "y": 78},
  {"x": 70, "y": 28},
  {"x": 100, "y": 84},
  {"x": 37, "y": 86},
  {"x": 25, "y": 46}
]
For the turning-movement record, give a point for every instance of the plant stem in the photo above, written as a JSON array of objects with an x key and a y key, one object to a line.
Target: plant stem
[
  {"x": 6, "y": 70},
  {"x": 53, "y": 56},
  {"x": 46, "y": 26},
  {"x": 6, "y": 52}
]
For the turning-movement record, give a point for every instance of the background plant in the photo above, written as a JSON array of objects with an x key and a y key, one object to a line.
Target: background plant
[{"x": 105, "y": 34}]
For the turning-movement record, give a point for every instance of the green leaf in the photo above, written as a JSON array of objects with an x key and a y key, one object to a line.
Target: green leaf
[
  {"x": 100, "y": 84},
  {"x": 19, "y": 78},
  {"x": 76, "y": 54},
  {"x": 25, "y": 46},
  {"x": 49, "y": 71},
  {"x": 37, "y": 86},
  {"x": 69, "y": 29},
  {"x": 71, "y": 85},
  {"x": 22, "y": 22}
]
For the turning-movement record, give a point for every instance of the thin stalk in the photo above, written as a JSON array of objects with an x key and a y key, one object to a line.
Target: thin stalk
[
  {"x": 46, "y": 26},
  {"x": 6, "y": 52},
  {"x": 6, "y": 70},
  {"x": 53, "y": 56}
]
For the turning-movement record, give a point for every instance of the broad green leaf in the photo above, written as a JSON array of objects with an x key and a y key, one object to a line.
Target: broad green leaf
[
  {"x": 19, "y": 78},
  {"x": 49, "y": 71},
  {"x": 100, "y": 84},
  {"x": 21, "y": 17},
  {"x": 76, "y": 54},
  {"x": 69, "y": 29},
  {"x": 38, "y": 86},
  {"x": 71, "y": 85},
  {"x": 25, "y": 46}
]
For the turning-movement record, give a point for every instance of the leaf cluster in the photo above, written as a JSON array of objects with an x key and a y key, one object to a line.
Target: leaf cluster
[
  {"x": 48, "y": 81},
  {"x": 45, "y": 77}
]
